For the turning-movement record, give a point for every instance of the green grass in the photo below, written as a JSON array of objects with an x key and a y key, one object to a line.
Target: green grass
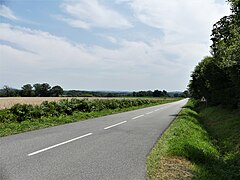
[
  {"x": 198, "y": 146},
  {"x": 223, "y": 127},
  {"x": 10, "y": 128}
]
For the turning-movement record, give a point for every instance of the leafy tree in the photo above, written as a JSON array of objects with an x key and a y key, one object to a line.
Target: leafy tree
[
  {"x": 210, "y": 81},
  {"x": 9, "y": 92},
  {"x": 27, "y": 90},
  {"x": 164, "y": 92},
  {"x": 185, "y": 94},
  {"x": 226, "y": 48},
  {"x": 157, "y": 93},
  {"x": 218, "y": 77},
  {"x": 37, "y": 89},
  {"x": 42, "y": 90},
  {"x": 56, "y": 91}
]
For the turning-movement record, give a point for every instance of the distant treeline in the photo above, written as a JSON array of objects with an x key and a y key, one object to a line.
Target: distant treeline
[
  {"x": 37, "y": 90},
  {"x": 217, "y": 77},
  {"x": 45, "y": 90}
]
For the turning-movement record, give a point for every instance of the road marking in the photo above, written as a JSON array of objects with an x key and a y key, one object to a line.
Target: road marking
[
  {"x": 56, "y": 145},
  {"x": 114, "y": 125},
  {"x": 156, "y": 110},
  {"x": 150, "y": 112},
  {"x": 138, "y": 116}
]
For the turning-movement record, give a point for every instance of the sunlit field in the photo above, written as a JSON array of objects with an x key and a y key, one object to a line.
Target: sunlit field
[{"x": 8, "y": 102}]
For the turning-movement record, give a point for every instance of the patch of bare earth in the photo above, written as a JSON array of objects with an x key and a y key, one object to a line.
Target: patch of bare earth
[{"x": 172, "y": 168}]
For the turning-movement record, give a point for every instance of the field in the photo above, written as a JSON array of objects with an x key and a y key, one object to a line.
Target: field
[{"x": 8, "y": 102}]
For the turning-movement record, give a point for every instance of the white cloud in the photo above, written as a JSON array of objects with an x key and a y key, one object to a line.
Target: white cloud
[
  {"x": 89, "y": 14},
  {"x": 52, "y": 50},
  {"x": 34, "y": 54},
  {"x": 180, "y": 20},
  {"x": 7, "y": 13}
]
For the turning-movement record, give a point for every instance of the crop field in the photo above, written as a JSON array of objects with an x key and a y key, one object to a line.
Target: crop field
[{"x": 8, "y": 102}]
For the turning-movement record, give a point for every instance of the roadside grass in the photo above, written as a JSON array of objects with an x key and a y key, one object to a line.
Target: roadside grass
[
  {"x": 223, "y": 127},
  {"x": 203, "y": 145},
  {"x": 14, "y": 127}
]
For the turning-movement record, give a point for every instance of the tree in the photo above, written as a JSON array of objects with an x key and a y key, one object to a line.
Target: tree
[
  {"x": 37, "y": 89},
  {"x": 157, "y": 93},
  {"x": 56, "y": 91},
  {"x": 42, "y": 90},
  {"x": 185, "y": 94},
  {"x": 6, "y": 91},
  {"x": 9, "y": 92},
  {"x": 27, "y": 90},
  {"x": 226, "y": 48},
  {"x": 165, "y": 94}
]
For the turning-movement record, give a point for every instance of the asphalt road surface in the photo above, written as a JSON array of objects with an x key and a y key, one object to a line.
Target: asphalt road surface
[{"x": 111, "y": 147}]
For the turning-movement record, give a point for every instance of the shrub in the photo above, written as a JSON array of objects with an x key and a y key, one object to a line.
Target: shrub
[{"x": 22, "y": 111}]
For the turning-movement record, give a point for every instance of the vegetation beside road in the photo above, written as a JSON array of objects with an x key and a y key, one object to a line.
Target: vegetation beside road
[
  {"x": 203, "y": 145},
  {"x": 25, "y": 117},
  {"x": 217, "y": 77}
]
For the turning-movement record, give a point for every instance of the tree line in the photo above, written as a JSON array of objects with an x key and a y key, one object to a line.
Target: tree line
[
  {"x": 45, "y": 90},
  {"x": 217, "y": 77},
  {"x": 36, "y": 90}
]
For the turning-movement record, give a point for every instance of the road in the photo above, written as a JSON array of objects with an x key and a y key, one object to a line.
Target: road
[{"x": 110, "y": 147}]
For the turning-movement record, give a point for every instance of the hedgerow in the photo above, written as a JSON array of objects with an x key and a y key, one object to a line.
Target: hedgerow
[{"x": 22, "y": 112}]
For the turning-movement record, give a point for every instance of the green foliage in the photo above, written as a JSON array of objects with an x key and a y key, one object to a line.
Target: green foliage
[
  {"x": 56, "y": 91},
  {"x": 7, "y": 91},
  {"x": 27, "y": 90},
  {"x": 223, "y": 126},
  {"x": 6, "y": 116},
  {"x": 22, "y": 112},
  {"x": 22, "y": 118},
  {"x": 42, "y": 90},
  {"x": 218, "y": 77},
  {"x": 155, "y": 93},
  {"x": 210, "y": 140},
  {"x": 185, "y": 138}
]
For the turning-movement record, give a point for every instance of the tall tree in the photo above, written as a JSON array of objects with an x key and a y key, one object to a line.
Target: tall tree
[
  {"x": 226, "y": 48},
  {"x": 56, "y": 91},
  {"x": 42, "y": 90},
  {"x": 27, "y": 90},
  {"x": 9, "y": 92}
]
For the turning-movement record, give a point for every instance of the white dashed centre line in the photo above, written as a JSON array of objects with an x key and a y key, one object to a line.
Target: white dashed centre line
[
  {"x": 114, "y": 125},
  {"x": 56, "y": 145},
  {"x": 138, "y": 116},
  {"x": 150, "y": 112}
]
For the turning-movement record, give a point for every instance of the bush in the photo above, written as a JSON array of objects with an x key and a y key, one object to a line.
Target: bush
[{"x": 21, "y": 112}]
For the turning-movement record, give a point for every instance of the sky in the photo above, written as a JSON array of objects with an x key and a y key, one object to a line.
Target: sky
[{"x": 115, "y": 45}]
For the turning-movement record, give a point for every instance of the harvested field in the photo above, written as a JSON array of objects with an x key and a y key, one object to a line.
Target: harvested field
[{"x": 8, "y": 102}]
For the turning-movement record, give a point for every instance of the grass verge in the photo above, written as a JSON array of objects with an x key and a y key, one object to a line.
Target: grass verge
[
  {"x": 203, "y": 145},
  {"x": 10, "y": 128}
]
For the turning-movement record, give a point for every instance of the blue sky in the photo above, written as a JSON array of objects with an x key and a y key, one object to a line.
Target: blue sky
[{"x": 103, "y": 44}]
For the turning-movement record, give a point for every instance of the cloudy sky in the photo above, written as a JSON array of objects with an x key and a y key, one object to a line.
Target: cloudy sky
[{"x": 105, "y": 44}]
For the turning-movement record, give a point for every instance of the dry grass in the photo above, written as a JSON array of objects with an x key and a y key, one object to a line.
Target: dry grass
[
  {"x": 8, "y": 102},
  {"x": 173, "y": 168}
]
